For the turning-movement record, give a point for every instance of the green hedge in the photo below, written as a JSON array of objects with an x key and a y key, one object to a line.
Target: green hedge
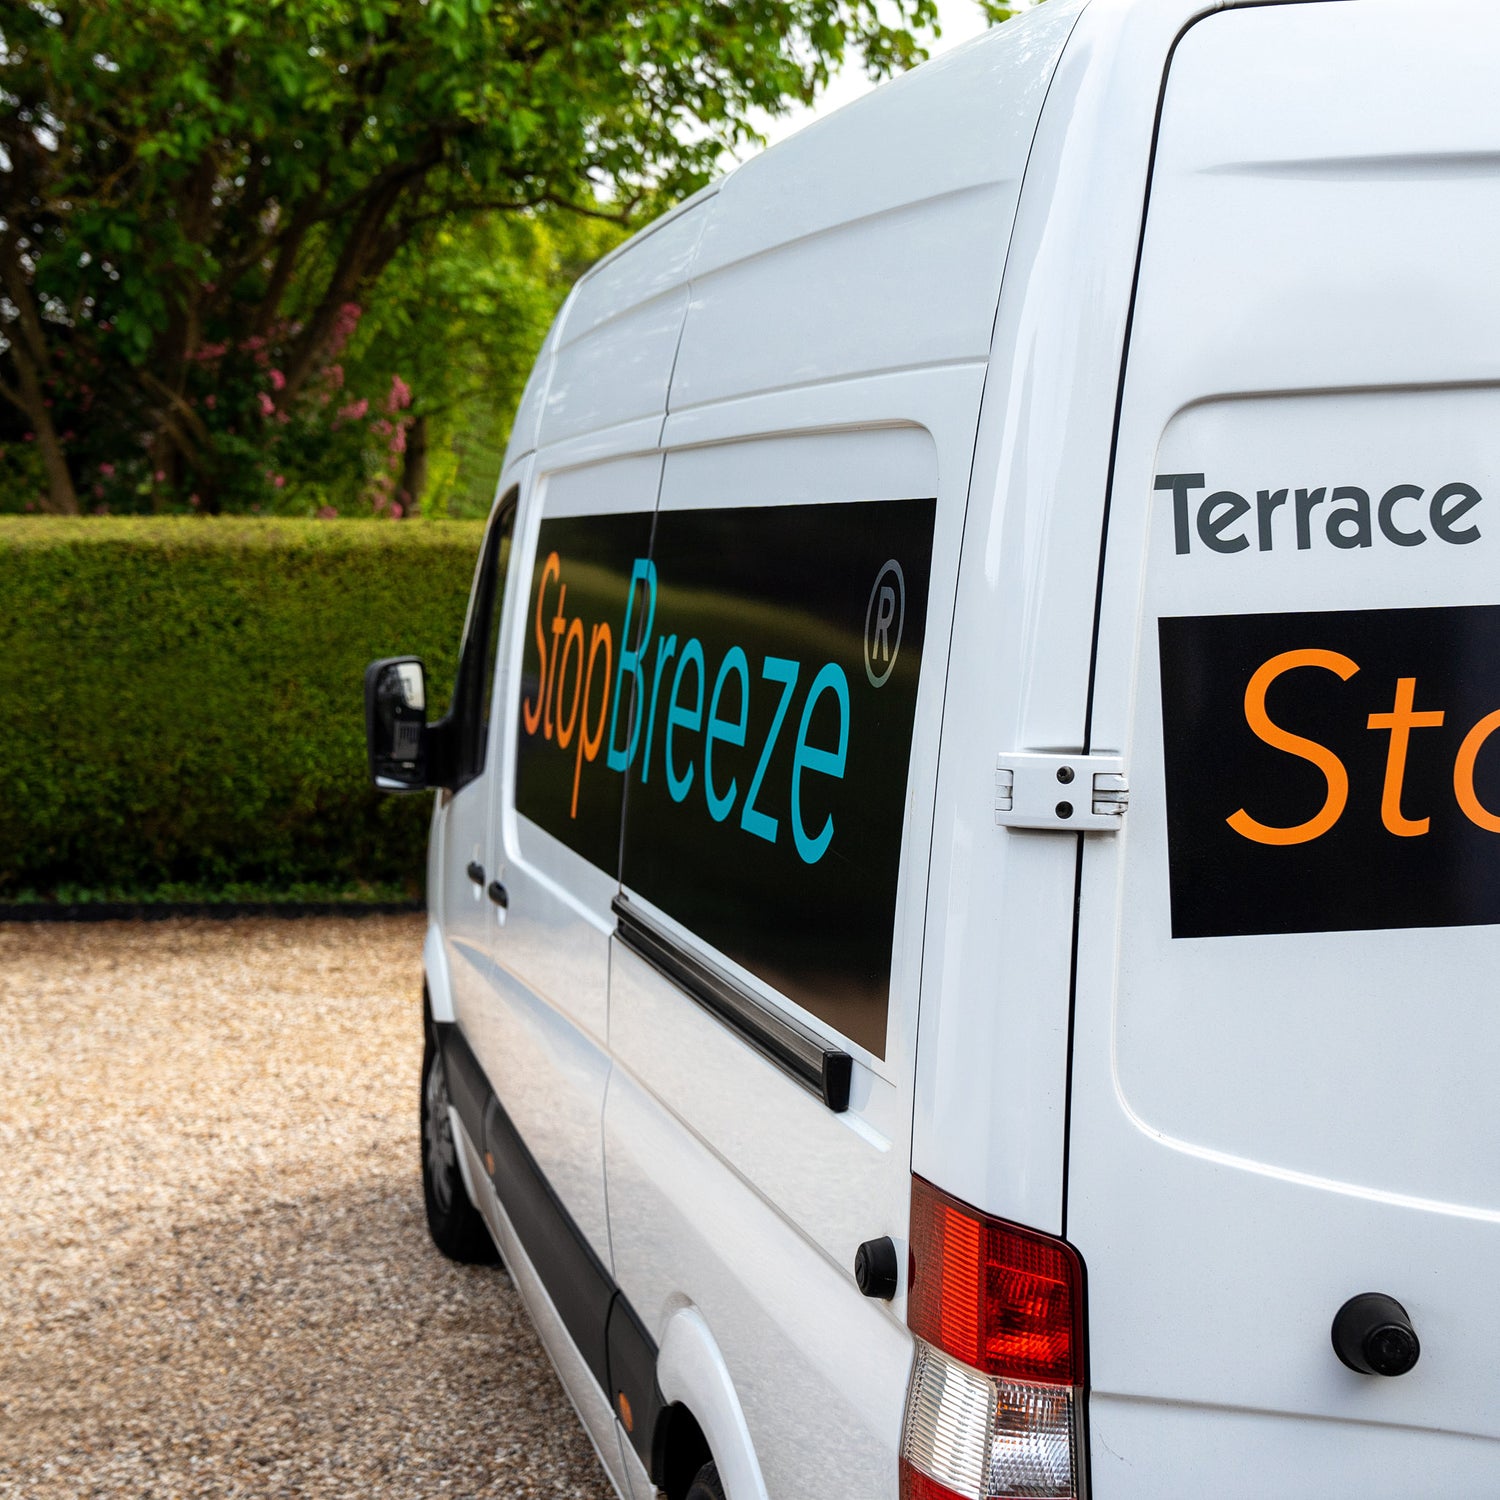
[{"x": 183, "y": 698}]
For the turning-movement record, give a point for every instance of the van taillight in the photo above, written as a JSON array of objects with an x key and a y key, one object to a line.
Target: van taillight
[{"x": 994, "y": 1402}]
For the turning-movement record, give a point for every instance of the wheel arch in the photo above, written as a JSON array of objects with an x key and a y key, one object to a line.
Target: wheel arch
[{"x": 701, "y": 1414}]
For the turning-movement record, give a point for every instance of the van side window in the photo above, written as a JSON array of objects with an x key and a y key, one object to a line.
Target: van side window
[{"x": 473, "y": 695}]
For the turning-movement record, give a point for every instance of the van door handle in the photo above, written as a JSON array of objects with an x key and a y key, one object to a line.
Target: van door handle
[
  {"x": 476, "y": 872},
  {"x": 499, "y": 895}
]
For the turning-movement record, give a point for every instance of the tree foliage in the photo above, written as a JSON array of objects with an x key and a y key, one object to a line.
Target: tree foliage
[{"x": 199, "y": 198}]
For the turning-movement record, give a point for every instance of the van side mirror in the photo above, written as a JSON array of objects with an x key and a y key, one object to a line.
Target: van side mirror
[{"x": 396, "y": 723}]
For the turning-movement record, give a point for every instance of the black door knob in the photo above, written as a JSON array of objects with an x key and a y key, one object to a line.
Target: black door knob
[
  {"x": 875, "y": 1268},
  {"x": 1372, "y": 1334},
  {"x": 498, "y": 894},
  {"x": 475, "y": 872}
]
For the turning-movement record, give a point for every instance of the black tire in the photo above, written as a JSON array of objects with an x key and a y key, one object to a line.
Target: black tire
[
  {"x": 706, "y": 1485},
  {"x": 452, "y": 1220}
]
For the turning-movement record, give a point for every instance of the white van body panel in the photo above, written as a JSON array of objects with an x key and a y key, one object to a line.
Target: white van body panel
[
  {"x": 820, "y": 1378},
  {"x": 803, "y": 275},
  {"x": 1273, "y": 1112},
  {"x": 931, "y": 296},
  {"x": 618, "y": 338},
  {"x": 435, "y": 972}
]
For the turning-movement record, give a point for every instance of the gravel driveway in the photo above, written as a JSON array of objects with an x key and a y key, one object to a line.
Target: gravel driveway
[{"x": 215, "y": 1279}]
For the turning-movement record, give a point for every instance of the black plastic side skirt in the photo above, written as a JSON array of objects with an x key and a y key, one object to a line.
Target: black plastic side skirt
[{"x": 614, "y": 1343}]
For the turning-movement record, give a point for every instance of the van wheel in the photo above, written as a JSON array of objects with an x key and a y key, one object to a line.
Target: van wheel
[
  {"x": 706, "y": 1486},
  {"x": 452, "y": 1221}
]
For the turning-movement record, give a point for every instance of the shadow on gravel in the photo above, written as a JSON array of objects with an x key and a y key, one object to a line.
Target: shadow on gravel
[{"x": 314, "y": 1348}]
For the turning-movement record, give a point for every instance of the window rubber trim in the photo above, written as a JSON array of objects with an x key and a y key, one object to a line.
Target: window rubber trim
[{"x": 820, "y": 1067}]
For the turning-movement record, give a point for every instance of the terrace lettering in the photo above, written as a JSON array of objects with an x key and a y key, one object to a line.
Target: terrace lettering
[{"x": 1346, "y": 515}]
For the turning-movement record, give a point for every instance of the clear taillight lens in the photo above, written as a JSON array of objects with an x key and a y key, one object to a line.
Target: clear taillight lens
[
  {"x": 993, "y": 1409},
  {"x": 971, "y": 1436}
]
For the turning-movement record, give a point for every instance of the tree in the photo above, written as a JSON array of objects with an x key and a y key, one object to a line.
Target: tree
[
  {"x": 199, "y": 197},
  {"x": 461, "y": 315}
]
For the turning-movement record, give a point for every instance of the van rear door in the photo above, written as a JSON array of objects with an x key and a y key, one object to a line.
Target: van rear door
[{"x": 1287, "y": 1027}]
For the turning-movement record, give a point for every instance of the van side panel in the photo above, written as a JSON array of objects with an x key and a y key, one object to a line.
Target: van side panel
[{"x": 1285, "y": 1028}]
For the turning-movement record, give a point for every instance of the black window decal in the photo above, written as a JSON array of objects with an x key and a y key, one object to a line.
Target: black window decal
[
  {"x": 1332, "y": 771},
  {"x": 747, "y": 682}
]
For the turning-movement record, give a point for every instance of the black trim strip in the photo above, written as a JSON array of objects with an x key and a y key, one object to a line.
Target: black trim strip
[
  {"x": 614, "y": 1343},
  {"x": 802, "y": 1054},
  {"x": 637, "y": 1398}
]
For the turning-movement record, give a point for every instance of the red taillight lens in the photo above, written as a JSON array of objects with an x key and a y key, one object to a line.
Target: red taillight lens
[
  {"x": 915, "y": 1485},
  {"x": 997, "y": 1297}
]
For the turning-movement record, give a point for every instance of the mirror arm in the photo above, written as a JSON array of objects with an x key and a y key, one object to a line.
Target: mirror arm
[{"x": 440, "y": 744}]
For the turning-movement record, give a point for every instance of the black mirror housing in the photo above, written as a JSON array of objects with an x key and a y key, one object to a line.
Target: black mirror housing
[{"x": 396, "y": 723}]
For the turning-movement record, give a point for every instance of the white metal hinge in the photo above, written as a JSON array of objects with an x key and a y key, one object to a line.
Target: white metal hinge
[{"x": 1069, "y": 793}]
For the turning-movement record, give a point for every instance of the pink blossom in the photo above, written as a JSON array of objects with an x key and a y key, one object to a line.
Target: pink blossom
[
  {"x": 194, "y": 501},
  {"x": 31, "y": 505},
  {"x": 267, "y": 405},
  {"x": 354, "y": 410},
  {"x": 107, "y": 470},
  {"x": 397, "y": 511},
  {"x": 343, "y": 327},
  {"x": 29, "y": 437},
  {"x": 400, "y": 396},
  {"x": 161, "y": 476},
  {"x": 279, "y": 481},
  {"x": 262, "y": 359},
  {"x": 278, "y": 380},
  {"x": 283, "y": 417},
  {"x": 327, "y": 513},
  {"x": 398, "y": 438},
  {"x": 336, "y": 375},
  {"x": 210, "y": 401},
  {"x": 255, "y": 342},
  {"x": 381, "y": 426}
]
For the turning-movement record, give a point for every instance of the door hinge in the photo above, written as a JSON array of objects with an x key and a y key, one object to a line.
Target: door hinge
[{"x": 1069, "y": 793}]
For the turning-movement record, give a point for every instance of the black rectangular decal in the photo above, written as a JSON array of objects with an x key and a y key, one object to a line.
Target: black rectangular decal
[
  {"x": 1332, "y": 771},
  {"x": 749, "y": 683}
]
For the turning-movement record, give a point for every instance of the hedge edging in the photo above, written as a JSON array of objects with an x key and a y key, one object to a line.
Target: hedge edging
[{"x": 185, "y": 703}]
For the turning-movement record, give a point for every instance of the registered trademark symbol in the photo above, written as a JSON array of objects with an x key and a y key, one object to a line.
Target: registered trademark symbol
[{"x": 885, "y": 615}]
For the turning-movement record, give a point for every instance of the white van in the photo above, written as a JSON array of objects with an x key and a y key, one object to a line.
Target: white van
[{"x": 963, "y": 898}]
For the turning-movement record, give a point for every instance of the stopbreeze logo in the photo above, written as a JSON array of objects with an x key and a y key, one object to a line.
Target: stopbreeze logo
[
  {"x": 1332, "y": 771},
  {"x": 663, "y": 679}
]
